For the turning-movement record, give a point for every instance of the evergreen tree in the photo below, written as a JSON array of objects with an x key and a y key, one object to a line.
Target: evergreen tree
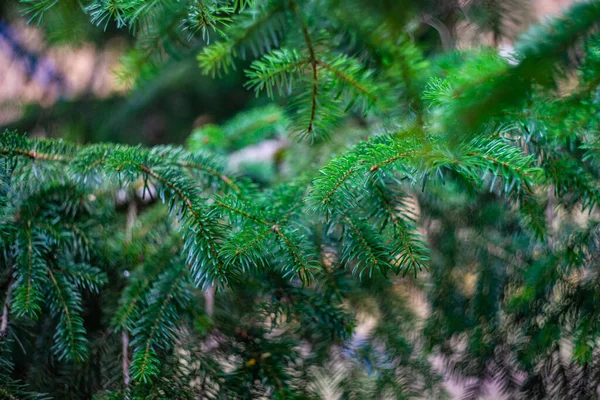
[{"x": 406, "y": 167}]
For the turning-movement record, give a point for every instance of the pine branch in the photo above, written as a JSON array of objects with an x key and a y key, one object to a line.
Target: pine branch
[
  {"x": 219, "y": 57},
  {"x": 335, "y": 188},
  {"x": 156, "y": 325},
  {"x": 83, "y": 276},
  {"x": 204, "y": 17},
  {"x": 30, "y": 267},
  {"x": 123, "y": 161},
  {"x": 295, "y": 261},
  {"x": 351, "y": 74},
  {"x": 276, "y": 69},
  {"x": 37, "y": 8},
  {"x": 487, "y": 92},
  {"x": 364, "y": 249},
  {"x": 246, "y": 249},
  {"x": 90, "y": 160},
  {"x": 70, "y": 340},
  {"x": 132, "y": 297}
]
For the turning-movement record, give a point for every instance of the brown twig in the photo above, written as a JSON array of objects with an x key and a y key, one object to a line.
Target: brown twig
[{"x": 4, "y": 319}]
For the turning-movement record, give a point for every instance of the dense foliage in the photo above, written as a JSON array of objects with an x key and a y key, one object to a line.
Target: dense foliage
[{"x": 402, "y": 167}]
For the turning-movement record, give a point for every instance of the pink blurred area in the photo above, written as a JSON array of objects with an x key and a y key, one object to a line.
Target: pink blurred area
[{"x": 32, "y": 72}]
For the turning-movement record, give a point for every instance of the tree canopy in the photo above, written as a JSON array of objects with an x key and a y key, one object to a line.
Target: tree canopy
[{"x": 441, "y": 198}]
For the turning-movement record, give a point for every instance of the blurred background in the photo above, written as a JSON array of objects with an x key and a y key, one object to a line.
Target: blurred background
[{"x": 65, "y": 77}]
